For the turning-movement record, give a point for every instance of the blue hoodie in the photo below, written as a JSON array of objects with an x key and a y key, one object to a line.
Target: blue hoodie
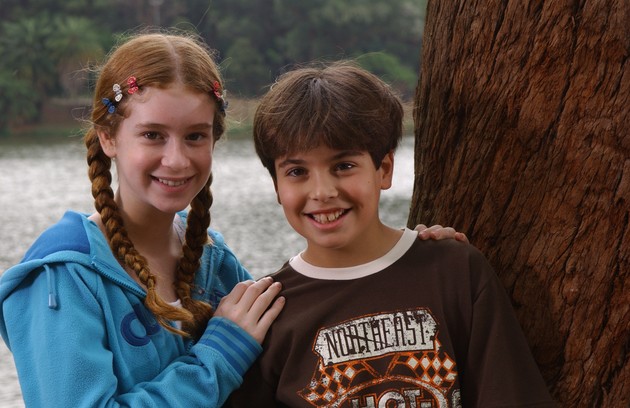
[{"x": 81, "y": 336}]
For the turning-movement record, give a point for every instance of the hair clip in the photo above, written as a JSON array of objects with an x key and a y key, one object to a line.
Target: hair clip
[
  {"x": 216, "y": 89},
  {"x": 133, "y": 85},
  {"x": 111, "y": 108},
  {"x": 118, "y": 94}
]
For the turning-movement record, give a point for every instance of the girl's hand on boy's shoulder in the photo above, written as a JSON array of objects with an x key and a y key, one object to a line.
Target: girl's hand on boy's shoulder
[
  {"x": 438, "y": 232},
  {"x": 248, "y": 305}
]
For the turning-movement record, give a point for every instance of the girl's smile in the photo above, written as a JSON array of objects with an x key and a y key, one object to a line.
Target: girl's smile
[
  {"x": 171, "y": 183},
  {"x": 163, "y": 149}
]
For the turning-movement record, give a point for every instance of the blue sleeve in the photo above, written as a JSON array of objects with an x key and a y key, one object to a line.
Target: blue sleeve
[
  {"x": 206, "y": 376},
  {"x": 65, "y": 356},
  {"x": 222, "y": 270}
]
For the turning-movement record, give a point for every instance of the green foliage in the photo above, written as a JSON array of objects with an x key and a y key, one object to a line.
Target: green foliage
[
  {"x": 391, "y": 70},
  {"x": 27, "y": 69},
  {"x": 46, "y": 44},
  {"x": 288, "y": 32},
  {"x": 248, "y": 70},
  {"x": 24, "y": 45},
  {"x": 74, "y": 44},
  {"x": 17, "y": 103},
  {"x": 42, "y": 55}
]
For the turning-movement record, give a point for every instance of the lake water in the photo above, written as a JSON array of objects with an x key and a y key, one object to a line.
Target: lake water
[{"x": 38, "y": 183}]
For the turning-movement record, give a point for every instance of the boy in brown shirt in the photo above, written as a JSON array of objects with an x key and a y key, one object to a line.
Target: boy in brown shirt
[{"x": 374, "y": 317}]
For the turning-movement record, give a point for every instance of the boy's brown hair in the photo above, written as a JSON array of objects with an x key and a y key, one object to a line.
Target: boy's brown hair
[{"x": 338, "y": 105}]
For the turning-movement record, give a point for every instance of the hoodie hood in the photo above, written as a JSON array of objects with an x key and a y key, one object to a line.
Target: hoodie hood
[
  {"x": 73, "y": 239},
  {"x": 70, "y": 299}
]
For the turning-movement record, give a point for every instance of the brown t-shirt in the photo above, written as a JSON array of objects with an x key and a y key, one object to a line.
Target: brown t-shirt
[{"x": 427, "y": 325}]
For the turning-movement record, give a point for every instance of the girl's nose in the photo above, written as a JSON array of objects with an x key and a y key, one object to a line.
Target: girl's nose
[{"x": 175, "y": 156}]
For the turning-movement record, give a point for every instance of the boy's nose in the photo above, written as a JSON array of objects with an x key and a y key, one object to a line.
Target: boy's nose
[
  {"x": 323, "y": 188},
  {"x": 175, "y": 156}
]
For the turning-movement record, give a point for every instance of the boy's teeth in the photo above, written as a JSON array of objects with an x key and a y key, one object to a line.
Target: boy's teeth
[
  {"x": 327, "y": 217},
  {"x": 171, "y": 183}
]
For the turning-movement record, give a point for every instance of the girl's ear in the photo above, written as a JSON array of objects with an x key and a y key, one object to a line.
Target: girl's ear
[{"x": 108, "y": 143}]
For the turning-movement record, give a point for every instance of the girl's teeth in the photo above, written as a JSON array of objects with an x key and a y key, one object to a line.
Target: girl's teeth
[{"x": 171, "y": 183}]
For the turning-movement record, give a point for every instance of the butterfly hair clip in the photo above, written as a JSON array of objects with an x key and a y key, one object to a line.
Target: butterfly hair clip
[
  {"x": 216, "y": 90},
  {"x": 133, "y": 85},
  {"x": 117, "y": 93},
  {"x": 111, "y": 107}
]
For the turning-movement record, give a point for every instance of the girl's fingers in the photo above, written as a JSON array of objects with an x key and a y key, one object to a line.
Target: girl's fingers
[
  {"x": 246, "y": 292},
  {"x": 439, "y": 232},
  {"x": 460, "y": 236},
  {"x": 443, "y": 233},
  {"x": 237, "y": 292},
  {"x": 268, "y": 317},
  {"x": 264, "y": 299},
  {"x": 248, "y": 305},
  {"x": 420, "y": 227}
]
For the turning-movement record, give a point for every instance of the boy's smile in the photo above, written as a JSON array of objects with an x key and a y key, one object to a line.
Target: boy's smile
[
  {"x": 331, "y": 198},
  {"x": 328, "y": 217}
]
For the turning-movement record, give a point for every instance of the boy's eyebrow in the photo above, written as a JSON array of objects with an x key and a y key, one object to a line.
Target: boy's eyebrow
[
  {"x": 341, "y": 155},
  {"x": 289, "y": 162}
]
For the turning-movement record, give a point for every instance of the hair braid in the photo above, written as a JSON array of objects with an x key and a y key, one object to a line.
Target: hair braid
[
  {"x": 99, "y": 165},
  {"x": 196, "y": 238},
  {"x": 156, "y": 60}
]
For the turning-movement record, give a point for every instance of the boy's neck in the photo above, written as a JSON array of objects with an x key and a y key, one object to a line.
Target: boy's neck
[{"x": 372, "y": 246}]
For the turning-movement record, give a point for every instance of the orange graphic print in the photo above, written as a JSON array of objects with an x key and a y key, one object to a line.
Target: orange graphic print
[{"x": 383, "y": 360}]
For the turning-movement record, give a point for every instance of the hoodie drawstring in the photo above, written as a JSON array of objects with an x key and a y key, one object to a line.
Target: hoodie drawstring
[{"x": 52, "y": 296}]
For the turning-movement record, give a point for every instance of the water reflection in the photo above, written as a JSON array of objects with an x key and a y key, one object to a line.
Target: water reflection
[{"x": 39, "y": 183}]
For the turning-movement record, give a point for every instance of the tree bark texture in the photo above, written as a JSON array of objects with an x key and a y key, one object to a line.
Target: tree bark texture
[{"x": 522, "y": 132}]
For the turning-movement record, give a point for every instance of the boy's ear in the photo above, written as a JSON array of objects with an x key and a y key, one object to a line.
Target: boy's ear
[
  {"x": 275, "y": 186},
  {"x": 387, "y": 170},
  {"x": 108, "y": 143}
]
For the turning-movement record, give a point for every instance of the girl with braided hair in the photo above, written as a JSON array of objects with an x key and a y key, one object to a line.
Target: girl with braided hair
[{"x": 140, "y": 304}]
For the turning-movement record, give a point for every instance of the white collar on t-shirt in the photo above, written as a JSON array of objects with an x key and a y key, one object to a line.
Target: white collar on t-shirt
[{"x": 358, "y": 271}]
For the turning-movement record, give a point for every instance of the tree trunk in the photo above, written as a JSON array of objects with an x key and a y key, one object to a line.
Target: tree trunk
[{"x": 522, "y": 132}]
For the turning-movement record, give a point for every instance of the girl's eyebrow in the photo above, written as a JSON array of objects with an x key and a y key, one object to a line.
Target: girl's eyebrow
[{"x": 152, "y": 125}]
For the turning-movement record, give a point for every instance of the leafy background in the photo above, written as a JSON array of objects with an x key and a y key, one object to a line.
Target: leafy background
[{"x": 47, "y": 46}]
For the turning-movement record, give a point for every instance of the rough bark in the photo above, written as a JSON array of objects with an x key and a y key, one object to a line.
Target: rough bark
[{"x": 523, "y": 142}]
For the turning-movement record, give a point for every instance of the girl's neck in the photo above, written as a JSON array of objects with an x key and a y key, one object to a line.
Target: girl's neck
[
  {"x": 148, "y": 228},
  {"x": 159, "y": 243},
  {"x": 154, "y": 231}
]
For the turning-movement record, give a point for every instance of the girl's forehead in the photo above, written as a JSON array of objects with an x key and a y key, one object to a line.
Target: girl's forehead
[
  {"x": 177, "y": 106},
  {"x": 176, "y": 89},
  {"x": 173, "y": 95}
]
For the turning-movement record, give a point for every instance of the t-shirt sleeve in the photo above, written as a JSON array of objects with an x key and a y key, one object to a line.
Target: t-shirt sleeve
[{"x": 499, "y": 370}]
